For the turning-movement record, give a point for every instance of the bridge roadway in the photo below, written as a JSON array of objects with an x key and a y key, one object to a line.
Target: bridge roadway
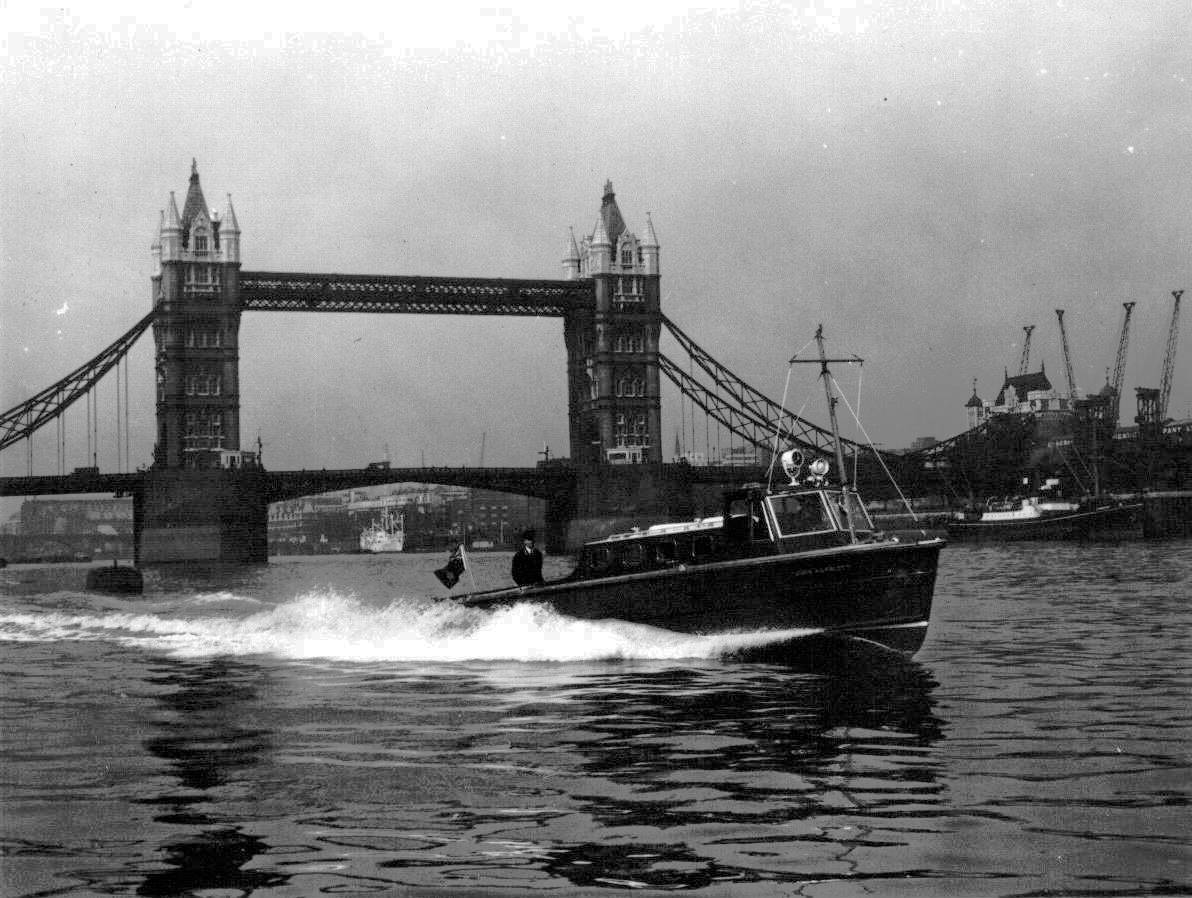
[
  {"x": 540, "y": 482},
  {"x": 544, "y": 481},
  {"x": 182, "y": 515}
]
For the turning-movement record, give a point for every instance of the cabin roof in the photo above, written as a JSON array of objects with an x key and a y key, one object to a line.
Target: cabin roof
[
  {"x": 695, "y": 526},
  {"x": 698, "y": 525}
]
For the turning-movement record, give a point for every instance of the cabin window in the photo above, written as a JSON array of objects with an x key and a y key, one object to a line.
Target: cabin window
[
  {"x": 855, "y": 508},
  {"x": 632, "y": 556},
  {"x": 598, "y": 559},
  {"x": 663, "y": 553},
  {"x": 702, "y": 546},
  {"x": 803, "y": 513}
]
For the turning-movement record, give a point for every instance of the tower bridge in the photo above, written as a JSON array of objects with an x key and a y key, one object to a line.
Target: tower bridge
[
  {"x": 205, "y": 494},
  {"x": 608, "y": 300}
]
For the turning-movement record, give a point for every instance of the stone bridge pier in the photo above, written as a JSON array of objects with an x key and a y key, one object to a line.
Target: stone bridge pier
[{"x": 211, "y": 515}]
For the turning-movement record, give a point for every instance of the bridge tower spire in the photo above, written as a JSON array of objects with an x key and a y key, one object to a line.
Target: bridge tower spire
[
  {"x": 196, "y": 331},
  {"x": 612, "y": 349}
]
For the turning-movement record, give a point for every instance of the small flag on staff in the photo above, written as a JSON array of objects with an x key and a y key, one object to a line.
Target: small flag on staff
[{"x": 450, "y": 573}]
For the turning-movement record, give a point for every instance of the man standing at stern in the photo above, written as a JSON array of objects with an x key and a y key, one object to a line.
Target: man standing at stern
[{"x": 527, "y": 562}]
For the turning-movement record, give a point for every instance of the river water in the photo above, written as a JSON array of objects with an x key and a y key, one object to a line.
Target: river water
[{"x": 319, "y": 726}]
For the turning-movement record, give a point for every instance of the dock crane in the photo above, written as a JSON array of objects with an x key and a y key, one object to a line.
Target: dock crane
[
  {"x": 1152, "y": 403},
  {"x": 1119, "y": 365},
  {"x": 1059, "y": 313},
  {"x": 1026, "y": 349},
  {"x": 1169, "y": 357}
]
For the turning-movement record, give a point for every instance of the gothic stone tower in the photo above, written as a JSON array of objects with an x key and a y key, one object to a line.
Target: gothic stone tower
[
  {"x": 196, "y": 333},
  {"x": 612, "y": 349},
  {"x": 200, "y": 501}
]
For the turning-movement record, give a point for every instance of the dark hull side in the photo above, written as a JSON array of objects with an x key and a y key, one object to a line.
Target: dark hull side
[
  {"x": 1108, "y": 522},
  {"x": 881, "y": 592},
  {"x": 115, "y": 580}
]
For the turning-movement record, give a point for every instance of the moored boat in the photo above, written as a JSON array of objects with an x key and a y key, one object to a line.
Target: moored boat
[
  {"x": 385, "y": 534},
  {"x": 1047, "y": 518},
  {"x": 804, "y": 558},
  {"x": 115, "y": 580}
]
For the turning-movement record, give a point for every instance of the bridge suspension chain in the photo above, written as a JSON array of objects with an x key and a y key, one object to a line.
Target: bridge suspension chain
[
  {"x": 743, "y": 410},
  {"x": 22, "y": 420}
]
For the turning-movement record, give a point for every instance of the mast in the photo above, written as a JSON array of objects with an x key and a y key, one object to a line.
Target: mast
[
  {"x": 823, "y": 361},
  {"x": 827, "y": 377}
]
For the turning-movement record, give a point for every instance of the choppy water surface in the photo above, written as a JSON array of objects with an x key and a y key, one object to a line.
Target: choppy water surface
[{"x": 320, "y": 726}]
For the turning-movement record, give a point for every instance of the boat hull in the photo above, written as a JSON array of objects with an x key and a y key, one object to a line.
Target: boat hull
[
  {"x": 115, "y": 580},
  {"x": 1108, "y": 522},
  {"x": 876, "y": 591}
]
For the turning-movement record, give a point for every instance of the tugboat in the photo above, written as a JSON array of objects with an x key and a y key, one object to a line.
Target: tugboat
[
  {"x": 804, "y": 558},
  {"x": 1046, "y": 517}
]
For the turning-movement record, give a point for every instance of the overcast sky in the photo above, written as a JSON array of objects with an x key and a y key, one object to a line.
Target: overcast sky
[{"x": 924, "y": 178}]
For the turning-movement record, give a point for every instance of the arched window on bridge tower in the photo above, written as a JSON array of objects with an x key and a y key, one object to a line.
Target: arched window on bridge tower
[
  {"x": 627, "y": 252},
  {"x": 640, "y": 435},
  {"x": 630, "y": 386}
]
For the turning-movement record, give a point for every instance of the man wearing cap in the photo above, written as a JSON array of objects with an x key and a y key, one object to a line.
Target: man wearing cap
[{"x": 527, "y": 562}]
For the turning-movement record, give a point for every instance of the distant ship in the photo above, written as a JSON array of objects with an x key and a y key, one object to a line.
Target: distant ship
[{"x": 386, "y": 534}]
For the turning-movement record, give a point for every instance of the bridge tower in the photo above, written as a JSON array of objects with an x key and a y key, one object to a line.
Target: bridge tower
[
  {"x": 196, "y": 334},
  {"x": 612, "y": 348},
  {"x": 203, "y": 499}
]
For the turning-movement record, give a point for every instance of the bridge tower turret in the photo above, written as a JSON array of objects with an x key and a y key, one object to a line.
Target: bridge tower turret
[
  {"x": 196, "y": 334},
  {"x": 612, "y": 349}
]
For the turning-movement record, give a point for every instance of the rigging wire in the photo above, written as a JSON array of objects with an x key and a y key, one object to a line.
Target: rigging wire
[
  {"x": 882, "y": 461},
  {"x": 778, "y": 425},
  {"x": 856, "y": 454},
  {"x": 1075, "y": 474},
  {"x": 782, "y": 408}
]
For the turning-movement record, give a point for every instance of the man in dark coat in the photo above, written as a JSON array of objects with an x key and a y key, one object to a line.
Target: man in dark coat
[{"x": 527, "y": 562}]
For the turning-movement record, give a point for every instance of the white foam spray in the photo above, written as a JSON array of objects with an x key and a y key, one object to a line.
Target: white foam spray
[{"x": 328, "y": 625}]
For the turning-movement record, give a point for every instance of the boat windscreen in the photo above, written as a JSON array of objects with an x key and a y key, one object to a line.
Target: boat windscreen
[
  {"x": 855, "y": 508},
  {"x": 800, "y": 513}
]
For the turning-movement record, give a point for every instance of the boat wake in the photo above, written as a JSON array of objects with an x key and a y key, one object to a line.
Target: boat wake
[{"x": 331, "y": 626}]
